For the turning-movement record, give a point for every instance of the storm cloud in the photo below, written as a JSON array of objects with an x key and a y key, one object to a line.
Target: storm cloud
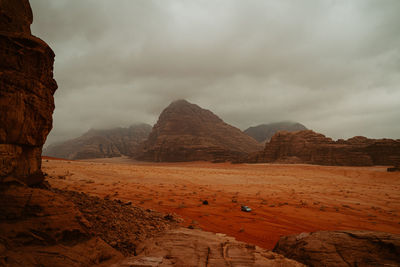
[{"x": 332, "y": 65}]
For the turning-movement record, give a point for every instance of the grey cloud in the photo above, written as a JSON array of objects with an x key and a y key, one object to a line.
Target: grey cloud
[{"x": 332, "y": 65}]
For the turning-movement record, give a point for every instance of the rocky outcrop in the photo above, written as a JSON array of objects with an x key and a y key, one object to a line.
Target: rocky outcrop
[
  {"x": 37, "y": 226},
  {"x": 185, "y": 247},
  {"x": 186, "y": 132},
  {"x": 342, "y": 248},
  {"x": 40, "y": 228},
  {"x": 26, "y": 93},
  {"x": 263, "y": 132},
  {"x": 102, "y": 143},
  {"x": 315, "y": 148}
]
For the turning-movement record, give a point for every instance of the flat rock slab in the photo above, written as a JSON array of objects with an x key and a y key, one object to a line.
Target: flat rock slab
[
  {"x": 192, "y": 247},
  {"x": 342, "y": 248}
]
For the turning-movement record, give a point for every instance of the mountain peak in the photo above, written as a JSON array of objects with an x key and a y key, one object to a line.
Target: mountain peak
[{"x": 187, "y": 132}]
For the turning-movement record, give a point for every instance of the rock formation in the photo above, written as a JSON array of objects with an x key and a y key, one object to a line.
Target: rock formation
[
  {"x": 40, "y": 228},
  {"x": 186, "y": 132},
  {"x": 102, "y": 143},
  {"x": 263, "y": 132},
  {"x": 315, "y": 148},
  {"x": 37, "y": 226},
  {"x": 26, "y": 93},
  {"x": 342, "y": 248},
  {"x": 185, "y": 247}
]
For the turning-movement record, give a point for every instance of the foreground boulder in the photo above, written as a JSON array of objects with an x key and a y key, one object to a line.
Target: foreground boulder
[
  {"x": 342, "y": 248},
  {"x": 41, "y": 228},
  {"x": 106, "y": 143},
  {"x": 185, "y": 247},
  {"x": 26, "y": 93},
  {"x": 315, "y": 148},
  {"x": 186, "y": 132}
]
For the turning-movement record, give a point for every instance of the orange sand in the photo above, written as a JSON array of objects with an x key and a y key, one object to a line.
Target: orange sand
[{"x": 286, "y": 199}]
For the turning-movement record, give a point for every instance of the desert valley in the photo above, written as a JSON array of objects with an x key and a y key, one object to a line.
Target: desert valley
[
  {"x": 191, "y": 190},
  {"x": 285, "y": 199}
]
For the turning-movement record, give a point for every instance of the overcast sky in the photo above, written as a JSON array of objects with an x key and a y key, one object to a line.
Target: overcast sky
[{"x": 332, "y": 65}]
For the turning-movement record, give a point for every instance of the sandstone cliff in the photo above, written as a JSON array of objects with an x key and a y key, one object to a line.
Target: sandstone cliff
[
  {"x": 102, "y": 143},
  {"x": 315, "y": 148},
  {"x": 264, "y": 132},
  {"x": 26, "y": 93},
  {"x": 37, "y": 227},
  {"x": 186, "y": 132}
]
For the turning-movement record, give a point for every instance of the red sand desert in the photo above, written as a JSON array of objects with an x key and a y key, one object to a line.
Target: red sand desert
[{"x": 286, "y": 199}]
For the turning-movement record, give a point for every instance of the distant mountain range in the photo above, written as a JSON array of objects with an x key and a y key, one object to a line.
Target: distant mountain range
[
  {"x": 101, "y": 143},
  {"x": 263, "y": 132},
  {"x": 187, "y": 132}
]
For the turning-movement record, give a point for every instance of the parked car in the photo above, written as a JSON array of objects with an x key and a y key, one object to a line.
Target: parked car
[{"x": 245, "y": 209}]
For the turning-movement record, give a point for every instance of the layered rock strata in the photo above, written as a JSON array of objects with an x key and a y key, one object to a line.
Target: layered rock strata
[
  {"x": 186, "y": 132},
  {"x": 37, "y": 226},
  {"x": 26, "y": 93},
  {"x": 185, "y": 247},
  {"x": 315, "y": 148}
]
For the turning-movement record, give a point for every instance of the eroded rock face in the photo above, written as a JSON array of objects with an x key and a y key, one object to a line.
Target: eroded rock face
[
  {"x": 315, "y": 148},
  {"x": 186, "y": 132},
  {"x": 41, "y": 228},
  {"x": 184, "y": 247},
  {"x": 37, "y": 226},
  {"x": 342, "y": 248},
  {"x": 102, "y": 143},
  {"x": 26, "y": 93}
]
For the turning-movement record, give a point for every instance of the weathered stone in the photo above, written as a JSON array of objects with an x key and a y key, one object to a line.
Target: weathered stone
[
  {"x": 186, "y": 132},
  {"x": 41, "y": 228},
  {"x": 26, "y": 93},
  {"x": 342, "y": 248},
  {"x": 314, "y": 148},
  {"x": 190, "y": 247},
  {"x": 102, "y": 143},
  {"x": 15, "y": 16}
]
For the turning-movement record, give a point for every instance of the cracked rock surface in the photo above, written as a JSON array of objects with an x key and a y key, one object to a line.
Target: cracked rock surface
[{"x": 192, "y": 247}]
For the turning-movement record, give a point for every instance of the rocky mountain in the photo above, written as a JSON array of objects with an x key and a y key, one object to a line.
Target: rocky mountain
[
  {"x": 186, "y": 132},
  {"x": 26, "y": 93},
  {"x": 315, "y": 148},
  {"x": 102, "y": 143},
  {"x": 264, "y": 132}
]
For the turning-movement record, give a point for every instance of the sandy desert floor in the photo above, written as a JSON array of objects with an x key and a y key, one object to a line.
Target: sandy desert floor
[{"x": 286, "y": 199}]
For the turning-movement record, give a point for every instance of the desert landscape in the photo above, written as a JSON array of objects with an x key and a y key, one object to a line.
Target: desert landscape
[
  {"x": 286, "y": 199},
  {"x": 134, "y": 174}
]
